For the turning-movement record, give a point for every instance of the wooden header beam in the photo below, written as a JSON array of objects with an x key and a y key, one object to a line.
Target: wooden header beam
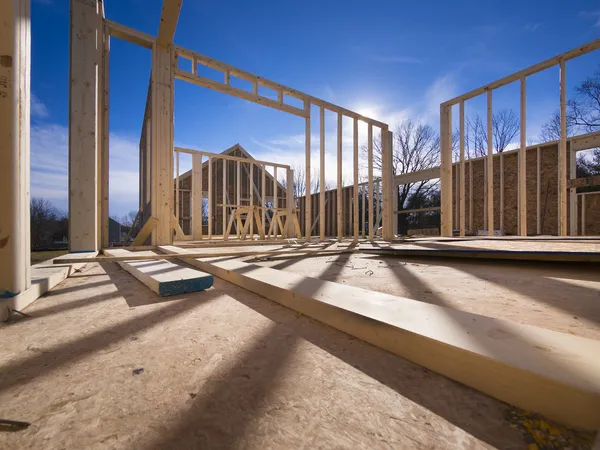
[
  {"x": 129, "y": 34},
  {"x": 578, "y": 51},
  {"x": 229, "y": 157}
]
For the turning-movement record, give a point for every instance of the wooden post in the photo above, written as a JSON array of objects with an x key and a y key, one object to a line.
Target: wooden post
[
  {"x": 355, "y": 189},
  {"x": 461, "y": 193},
  {"x": 523, "y": 162},
  {"x": 104, "y": 117},
  {"x": 340, "y": 187},
  {"x": 572, "y": 193},
  {"x": 263, "y": 191},
  {"x": 370, "y": 179},
  {"x": 363, "y": 212},
  {"x": 322, "y": 176},
  {"x": 275, "y": 202},
  {"x": 15, "y": 97},
  {"x": 251, "y": 194},
  {"x": 308, "y": 210},
  {"x": 387, "y": 174},
  {"x": 502, "y": 191},
  {"x": 162, "y": 143},
  {"x": 197, "y": 196},
  {"x": 225, "y": 196},
  {"x": 290, "y": 204},
  {"x": 210, "y": 198},
  {"x": 583, "y": 214},
  {"x": 470, "y": 195},
  {"x": 538, "y": 189},
  {"x": 562, "y": 150},
  {"x": 86, "y": 52},
  {"x": 378, "y": 199},
  {"x": 177, "y": 185},
  {"x": 446, "y": 170},
  {"x": 490, "y": 167}
]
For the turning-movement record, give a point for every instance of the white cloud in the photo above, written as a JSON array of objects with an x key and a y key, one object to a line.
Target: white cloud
[
  {"x": 531, "y": 27},
  {"x": 594, "y": 15},
  {"x": 38, "y": 109},
  {"x": 49, "y": 168},
  {"x": 442, "y": 89}
]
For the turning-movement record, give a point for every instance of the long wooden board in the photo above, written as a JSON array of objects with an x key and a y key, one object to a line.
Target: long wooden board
[
  {"x": 555, "y": 374},
  {"x": 164, "y": 277}
]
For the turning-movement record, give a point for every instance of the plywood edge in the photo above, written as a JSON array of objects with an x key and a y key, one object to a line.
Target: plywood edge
[
  {"x": 164, "y": 277},
  {"x": 552, "y": 373}
]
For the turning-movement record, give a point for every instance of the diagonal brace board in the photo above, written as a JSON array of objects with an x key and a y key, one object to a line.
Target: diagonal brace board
[{"x": 555, "y": 374}]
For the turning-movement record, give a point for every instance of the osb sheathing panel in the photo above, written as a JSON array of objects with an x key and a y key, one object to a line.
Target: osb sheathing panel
[
  {"x": 592, "y": 215},
  {"x": 548, "y": 192}
]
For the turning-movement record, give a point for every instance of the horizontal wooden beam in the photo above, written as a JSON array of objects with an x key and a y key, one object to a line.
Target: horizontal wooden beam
[
  {"x": 236, "y": 92},
  {"x": 555, "y": 374},
  {"x": 594, "y": 180},
  {"x": 418, "y": 210},
  {"x": 229, "y": 157},
  {"x": 420, "y": 175},
  {"x": 573, "y": 53},
  {"x": 239, "y": 73},
  {"x": 129, "y": 34},
  {"x": 168, "y": 21},
  {"x": 585, "y": 141}
]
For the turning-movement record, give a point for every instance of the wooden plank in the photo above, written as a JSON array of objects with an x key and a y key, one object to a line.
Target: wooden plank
[
  {"x": 162, "y": 144},
  {"x": 224, "y": 196},
  {"x": 471, "y": 195},
  {"x": 190, "y": 151},
  {"x": 502, "y": 190},
  {"x": 15, "y": 100},
  {"x": 177, "y": 185},
  {"x": 490, "y": 166},
  {"x": 583, "y": 215},
  {"x": 556, "y": 60},
  {"x": 554, "y": 374},
  {"x": 263, "y": 211},
  {"x": 585, "y": 141},
  {"x": 210, "y": 198},
  {"x": 168, "y": 21},
  {"x": 355, "y": 190},
  {"x": 409, "y": 211},
  {"x": 340, "y": 187},
  {"x": 197, "y": 196},
  {"x": 103, "y": 86},
  {"x": 446, "y": 170},
  {"x": 251, "y": 195},
  {"x": 573, "y": 193},
  {"x": 83, "y": 130},
  {"x": 307, "y": 202},
  {"x": 322, "y": 175},
  {"x": 236, "y": 92},
  {"x": 461, "y": 190},
  {"x": 388, "y": 186},
  {"x": 163, "y": 277},
  {"x": 290, "y": 203},
  {"x": 129, "y": 34},
  {"x": 275, "y": 198},
  {"x": 144, "y": 232},
  {"x": 538, "y": 192},
  {"x": 370, "y": 180},
  {"x": 523, "y": 162},
  {"x": 562, "y": 151}
]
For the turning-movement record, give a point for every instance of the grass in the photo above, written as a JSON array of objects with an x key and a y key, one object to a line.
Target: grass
[{"x": 38, "y": 257}]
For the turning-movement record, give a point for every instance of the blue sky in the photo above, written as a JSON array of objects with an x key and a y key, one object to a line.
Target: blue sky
[{"x": 394, "y": 61}]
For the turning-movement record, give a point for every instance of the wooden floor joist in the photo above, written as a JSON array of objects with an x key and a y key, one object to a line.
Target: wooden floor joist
[
  {"x": 164, "y": 277},
  {"x": 555, "y": 374}
]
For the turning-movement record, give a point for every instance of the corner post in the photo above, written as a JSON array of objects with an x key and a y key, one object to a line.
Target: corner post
[{"x": 446, "y": 170}]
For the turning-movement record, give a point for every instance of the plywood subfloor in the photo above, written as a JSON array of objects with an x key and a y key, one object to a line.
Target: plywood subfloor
[{"x": 222, "y": 368}]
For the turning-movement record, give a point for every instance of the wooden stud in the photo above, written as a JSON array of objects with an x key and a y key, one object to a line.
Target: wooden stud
[
  {"x": 162, "y": 144},
  {"x": 308, "y": 209},
  {"x": 340, "y": 187},
  {"x": 583, "y": 214},
  {"x": 490, "y": 167},
  {"x": 15, "y": 99},
  {"x": 502, "y": 191},
  {"x": 538, "y": 192},
  {"x": 104, "y": 145},
  {"x": 471, "y": 195},
  {"x": 370, "y": 179},
  {"x": 83, "y": 118},
  {"x": 197, "y": 196},
  {"x": 377, "y": 204},
  {"x": 388, "y": 186},
  {"x": 523, "y": 162},
  {"x": 446, "y": 170},
  {"x": 177, "y": 185},
  {"x": 263, "y": 211},
  {"x": 275, "y": 197},
  {"x": 562, "y": 150},
  {"x": 322, "y": 176},
  {"x": 210, "y": 198},
  {"x": 572, "y": 192},
  {"x": 289, "y": 203},
  {"x": 225, "y": 196},
  {"x": 355, "y": 188},
  {"x": 251, "y": 194},
  {"x": 461, "y": 189}
]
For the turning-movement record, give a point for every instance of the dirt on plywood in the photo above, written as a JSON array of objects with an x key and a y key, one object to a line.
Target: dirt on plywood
[{"x": 222, "y": 368}]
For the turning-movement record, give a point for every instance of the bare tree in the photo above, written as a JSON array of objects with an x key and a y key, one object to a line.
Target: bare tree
[
  {"x": 43, "y": 216},
  {"x": 551, "y": 129},
  {"x": 127, "y": 219},
  {"x": 416, "y": 147},
  {"x": 315, "y": 182},
  {"x": 584, "y": 109},
  {"x": 505, "y": 126}
]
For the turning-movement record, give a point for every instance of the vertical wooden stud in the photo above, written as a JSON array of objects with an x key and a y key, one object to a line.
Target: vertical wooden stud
[
  {"x": 490, "y": 167},
  {"x": 461, "y": 193},
  {"x": 275, "y": 200},
  {"x": 308, "y": 210},
  {"x": 210, "y": 198},
  {"x": 225, "y": 197},
  {"x": 562, "y": 150},
  {"x": 355, "y": 190},
  {"x": 523, "y": 162},
  {"x": 446, "y": 170},
  {"x": 251, "y": 194},
  {"x": 322, "y": 176},
  {"x": 177, "y": 185},
  {"x": 263, "y": 191},
  {"x": 370, "y": 178},
  {"x": 197, "y": 196},
  {"x": 538, "y": 192},
  {"x": 340, "y": 187}
]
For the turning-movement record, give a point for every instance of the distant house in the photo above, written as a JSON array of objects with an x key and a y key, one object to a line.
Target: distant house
[
  {"x": 185, "y": 185},
  {"x": 114, "y": 231}
]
